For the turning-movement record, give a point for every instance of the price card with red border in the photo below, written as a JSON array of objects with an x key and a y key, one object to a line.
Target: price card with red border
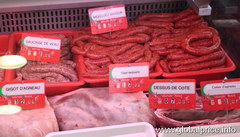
[
  {"x": 172, "y": 94},
  {"x": 40, "y": 48},
  {"x": 128, "y": 77},
  {"x": 108, "y": 19},
  {"x": 26, "y": 94},
  {"x": 221, "y": 94}
]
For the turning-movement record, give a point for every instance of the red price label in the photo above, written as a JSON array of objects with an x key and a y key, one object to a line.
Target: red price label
[
  {"x": 172, "y": 94},
  {"x": 26, "y": 94},
  {"x": 128, "y": 77},
  {"x": 40, "y": 48},
  {"x": 221, "y": 95},
  {"x": 108, "y": 19}
]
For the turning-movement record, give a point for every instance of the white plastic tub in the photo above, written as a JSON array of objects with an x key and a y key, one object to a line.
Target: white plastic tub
[
  {"x": 141, "y": 129},
  {"x": 235, "y": 126}
]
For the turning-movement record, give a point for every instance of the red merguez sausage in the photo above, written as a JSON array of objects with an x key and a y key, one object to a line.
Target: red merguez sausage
[
  {"x": 154, "y": 15},
  {"x": 212, "y": 56},
  {"x": 168, "y": 43},
  {"x": 133, "y": 57},
  {"x": 90, "y": 66},
  {"x": 98, "y": 71},
  {"x": 186, "y": 24},
  {"x": 134, "y": 31},
  {"x": 77, "y": 50},
  {"x": 166, "y": 25},
  {"x": 95, "y": 55},
  {"x": 91, "y": 75},
  {"x": 178, "y": 15},
  {"x": 121, "y": 41},
  {"x": 157, "y": 32},
  {"x": 202, "y": 43},
  {"x": 168, "y": 51},
  {"x": 164, "y": 66},
  {"x": 199, "y": 66},
  {"x": 203, "y": 50},
  {"x": 154, "y": 60},
  {"x": 85, "y": 37},
  {"x": 163, "y": 19},
  {"x": 178, "y": 56},
  {"x": 101, "y": 61},
  {"x": 191, "y": 18},
  {"x": 123, "y": 48},
  {"x": 158, "y": 47}
]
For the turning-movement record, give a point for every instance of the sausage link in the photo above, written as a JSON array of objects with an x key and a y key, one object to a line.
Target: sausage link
[
  {"x": 101, "y": 61},
  {"x": 123, "y": 49},
  {"x": 154, "y": 60},
  {"x": 178, "y": 56},
  {"x": 98, "y": 71},
  {"x": 120, "y": 41},
  {"x": 169, "y": 51},
  {"x": 166, "y": 25},
  {"x": 203, "y": 50},
  {"x": 132, "y": 57},
  {"x": 164, "y": 66},
  {"x": 134, "y": 31},
  {"x": 95, "y": 55},
  {"x": 158, "y": 32},
  {"x": 186, "y": 24},
  {"x": 77, "y": 50},
  {"x": 60, "y": 68},
  {"x": 212, "y": 56},
  {"x": 88, "y": 65},
  {"x": 201, "y": 43},
  {"x": 199, "y": 66},
  {"x": 191, "y": 18}
]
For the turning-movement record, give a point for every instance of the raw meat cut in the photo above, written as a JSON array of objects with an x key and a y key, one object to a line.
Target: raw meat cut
[
  {"x": 29, "y": 123},
  {"x": 1, "y": 74},
  {"x": 95, "y": 107},
  {"x": 195, "y": 117}
]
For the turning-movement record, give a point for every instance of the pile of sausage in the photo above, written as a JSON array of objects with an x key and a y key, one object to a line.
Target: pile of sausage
[
  {"x": 184, "y": 41},
  {"x": 125, "y": 46},
  {"x": 64, "y": 71},
  {"x": 180, "y": 41}
]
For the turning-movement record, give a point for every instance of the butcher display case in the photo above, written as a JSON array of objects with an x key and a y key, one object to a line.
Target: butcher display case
[{"x": 82, "y": 101}]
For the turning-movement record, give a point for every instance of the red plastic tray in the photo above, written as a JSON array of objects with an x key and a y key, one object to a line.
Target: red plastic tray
[
  {"x": 4, "y": 41},
  {"x": 203, "y": 75},
  {"x": 51, "y": 88},
  {"x": 103, "y": 82}
]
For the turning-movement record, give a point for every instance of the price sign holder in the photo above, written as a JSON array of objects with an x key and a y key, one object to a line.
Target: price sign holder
[
  {"x": 221, "y": 94},
  {"x": 128, "y": 77},
  {"x": 26, "y": 94},
  {"x": 108, "y": 19},
  {"x": 40, "y": 48},
  {"x": 172, "y": 93}
]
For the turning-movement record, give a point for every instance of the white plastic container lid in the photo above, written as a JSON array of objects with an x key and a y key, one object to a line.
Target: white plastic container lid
[{"x": 141, "y": 129}]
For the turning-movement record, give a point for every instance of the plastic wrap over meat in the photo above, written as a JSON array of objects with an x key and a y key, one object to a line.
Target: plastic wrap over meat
[
  {"x": 95, "y": 107},
  {"x": 195, "y": 117},
  {"x": 29, "y": 123}
]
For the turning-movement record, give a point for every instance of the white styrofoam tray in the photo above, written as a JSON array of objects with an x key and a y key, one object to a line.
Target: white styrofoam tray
[
  {"x": 141, "y": 129},
  {"x": 235, "y": 126}
]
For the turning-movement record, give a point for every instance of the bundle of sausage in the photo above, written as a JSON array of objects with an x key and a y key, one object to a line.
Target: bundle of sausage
[
  {"x": 125, "y": 46},
  {"x": 184, "y": 41},
  {"x": 51, "y": 72}
]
